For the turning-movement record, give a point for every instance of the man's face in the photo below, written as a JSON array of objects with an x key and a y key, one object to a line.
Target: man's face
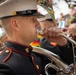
[
  {"x": 47, "y": 24},
  {"x": 28, "y": 28}
]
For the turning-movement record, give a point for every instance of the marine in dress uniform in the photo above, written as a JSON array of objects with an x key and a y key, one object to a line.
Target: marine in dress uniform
[
  {"x": 17, "y": 57},
  {"x": 52, "y": 46},
  {"x": 44, "y": 43}
]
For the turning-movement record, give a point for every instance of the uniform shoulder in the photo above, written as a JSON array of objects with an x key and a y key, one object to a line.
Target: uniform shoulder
[{"x": 5, "y": 55}]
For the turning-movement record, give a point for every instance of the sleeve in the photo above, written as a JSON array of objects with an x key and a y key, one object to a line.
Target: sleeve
[
  {"x": 66, "y": 53},
  {"x": 46, "y": 45},
  {"x": 5, "y": 70}
]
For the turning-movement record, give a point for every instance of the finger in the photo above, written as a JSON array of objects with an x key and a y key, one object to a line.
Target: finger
[{"x": 54, "y": 32}]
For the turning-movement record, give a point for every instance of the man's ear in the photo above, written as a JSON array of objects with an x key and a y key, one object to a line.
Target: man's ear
[{"x": 14, "y": 23}]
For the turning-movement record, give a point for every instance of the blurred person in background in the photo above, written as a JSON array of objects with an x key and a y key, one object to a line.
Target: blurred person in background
[
  {"x": 72, "y": 12},
  {"x": 72, "y": 28},
  {"x": 61, "y": 21},
  {"x": 44, "y": 43},
  {"x": 53, "y": 46}
]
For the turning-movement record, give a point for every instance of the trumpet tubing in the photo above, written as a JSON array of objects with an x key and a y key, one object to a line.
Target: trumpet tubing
[
  {"x": 60, "y": 67},
  {"x": 58, "y": 64},
  {"x": 69, "y": 39},
  {"x": 61, "y": 34}
]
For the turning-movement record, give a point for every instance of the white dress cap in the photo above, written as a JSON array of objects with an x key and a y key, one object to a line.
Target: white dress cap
[{"x": 9, "y": 7}]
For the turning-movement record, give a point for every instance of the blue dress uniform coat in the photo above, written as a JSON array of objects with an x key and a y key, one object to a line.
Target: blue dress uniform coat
[
  {"x": 64, "y": 52},
  {"x": 18, "y": 59},
  {"x": 46, "y": 45}
]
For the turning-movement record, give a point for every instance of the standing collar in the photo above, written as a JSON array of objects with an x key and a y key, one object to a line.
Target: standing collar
[{"x": 18, "y": 47}]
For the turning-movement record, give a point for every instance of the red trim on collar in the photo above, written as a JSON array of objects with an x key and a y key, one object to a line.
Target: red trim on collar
[
  {"x": 21, "y": 52},
  {"x": 53, "y": 44},
  {"x": 18, "y": 52},
  {"x": 19, "y": 44}
]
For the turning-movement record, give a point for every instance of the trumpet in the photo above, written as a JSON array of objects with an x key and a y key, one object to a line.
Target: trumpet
[
  {"x": 69, "y": 39},
  {"x": 40, "y": 31},
  {"x": 60, "y": 67},
  {"x": 57, "y": 64}
]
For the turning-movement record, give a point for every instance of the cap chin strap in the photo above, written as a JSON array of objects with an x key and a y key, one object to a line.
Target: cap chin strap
[{"x": 22, "y": 13}]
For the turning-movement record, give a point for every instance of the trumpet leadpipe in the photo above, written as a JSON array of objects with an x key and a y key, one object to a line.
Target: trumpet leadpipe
[{"x": 61, "y": 34}]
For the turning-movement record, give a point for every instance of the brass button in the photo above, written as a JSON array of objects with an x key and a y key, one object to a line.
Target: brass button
[
  {"x": 7, "y": 51},
  {"x": 37, "y": 66},
  {"x": 27, "y": 50}
]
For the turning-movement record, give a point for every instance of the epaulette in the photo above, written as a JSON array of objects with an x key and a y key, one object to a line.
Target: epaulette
[{"x": 5, "y": 54}]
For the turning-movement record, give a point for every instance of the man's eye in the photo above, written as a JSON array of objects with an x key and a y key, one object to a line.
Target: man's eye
[{"x": 32, "y": 20}]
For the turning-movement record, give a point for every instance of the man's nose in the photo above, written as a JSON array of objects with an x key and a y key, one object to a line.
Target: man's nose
[{"x": 38, "y": 24}]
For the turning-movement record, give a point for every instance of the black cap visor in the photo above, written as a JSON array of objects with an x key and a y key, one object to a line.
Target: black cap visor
[{"x": 25, "y": 13}]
